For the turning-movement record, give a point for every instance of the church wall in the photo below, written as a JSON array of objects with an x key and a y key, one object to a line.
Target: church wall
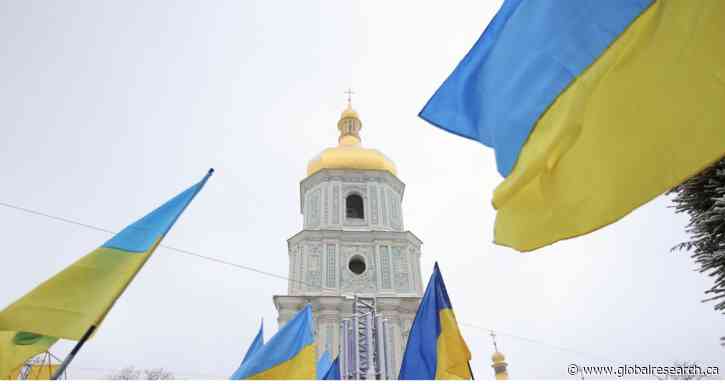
[
  {"x": 319, "y": 263},
  {"x": 323, "y": 200},
  {"x": 320, "y": 256}
]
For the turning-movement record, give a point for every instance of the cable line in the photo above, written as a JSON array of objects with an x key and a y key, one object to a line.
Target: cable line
[
  {"x": 270, "y": 274},
  {"x": 179, "y": 250}
]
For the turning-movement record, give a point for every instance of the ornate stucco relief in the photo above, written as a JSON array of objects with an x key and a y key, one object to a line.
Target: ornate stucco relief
[
  {"x": 313, "y": 275},
  {"x": 331, "y": 266},
  {"x": 400, "y": 269},
  {"x": 364, "y": 282},
  {"x": 373, "y": 192},
  {"x": 336, "y": 204}
]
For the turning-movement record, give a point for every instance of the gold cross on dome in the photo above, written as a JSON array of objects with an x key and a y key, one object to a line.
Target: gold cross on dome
[
  {"x": 349, "y": 93},
  {"x": 493, "y": 337}
]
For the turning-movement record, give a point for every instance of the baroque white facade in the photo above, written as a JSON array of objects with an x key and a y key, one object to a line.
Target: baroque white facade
[{"x": 353, "y": 242}]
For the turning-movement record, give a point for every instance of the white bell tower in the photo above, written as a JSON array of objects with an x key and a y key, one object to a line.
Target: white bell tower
[{"x": 353, "y": 242}]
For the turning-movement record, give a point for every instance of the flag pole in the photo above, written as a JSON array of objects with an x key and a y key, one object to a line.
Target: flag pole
[
  {"x": 471, "y": 371},
  {"x": 72, "y": 353}
]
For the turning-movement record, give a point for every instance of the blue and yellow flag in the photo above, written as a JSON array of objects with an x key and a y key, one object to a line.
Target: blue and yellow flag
[
  {"x": 334, "y": 372},
  {"x": 69, "y": 303},
  {"x": 289, "y": 354},
  {"x": 584, "y": 142},
  {"x": 256, "y": 345},
  {"x": 529, "y": 53},
  {"x": 436, "y": 350},
  {"x": 323, "y": 365}
]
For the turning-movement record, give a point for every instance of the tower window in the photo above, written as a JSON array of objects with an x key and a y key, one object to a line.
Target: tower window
[
  {"x": 357, "y": 265},
  {"x": 354, "y": 207}
]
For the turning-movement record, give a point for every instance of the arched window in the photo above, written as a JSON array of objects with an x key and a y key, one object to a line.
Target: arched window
[{"x": 354, "y": 207}]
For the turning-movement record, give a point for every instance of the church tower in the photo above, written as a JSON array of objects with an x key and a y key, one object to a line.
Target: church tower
[
  {"x": 353, "y": 242},
  {"x": 499, "y": 361}
]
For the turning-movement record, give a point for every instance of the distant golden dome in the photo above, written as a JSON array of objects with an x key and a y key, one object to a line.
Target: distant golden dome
[
  {"x": 349, "y": 154},
  {"x": 349, "y": 112},
  {"x": 498, "y": 357}
]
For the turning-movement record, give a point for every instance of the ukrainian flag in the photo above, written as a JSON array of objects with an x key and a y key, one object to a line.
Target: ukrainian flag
[
  {"x": 289, "y": 354},
  {"x": 436, "y": 350},
  {"x": 69, "y": 303},
  {"x": 593, "y": 108},
  {"x": 334, "y": 372},
  {"x": 323, "y": 365},
  {"x": 257, "y": 344}
]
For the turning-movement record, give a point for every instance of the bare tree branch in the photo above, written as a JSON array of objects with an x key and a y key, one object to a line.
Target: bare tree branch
[{"x": 131, "y": 373}]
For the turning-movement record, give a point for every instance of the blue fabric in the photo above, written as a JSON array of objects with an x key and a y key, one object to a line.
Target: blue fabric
[
  {"x": 141, "y": 235},
  {"x": 334, "y": 372},
  {"x": 419, "y": 359},
  {"x": 256, "y": 345},
  {"x": 323, "y": 365},
  {"x": 529, "y": 53},
  {"x": 283, "y": 346}
]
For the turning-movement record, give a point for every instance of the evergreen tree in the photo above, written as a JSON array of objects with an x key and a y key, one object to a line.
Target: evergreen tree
[{"x": 702, "y": 197}]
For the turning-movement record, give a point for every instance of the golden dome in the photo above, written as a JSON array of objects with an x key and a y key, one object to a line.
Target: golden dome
[
  {"x": 349, "y": 154},
  {"x": 349, "y": 112},
  {"x": 498, "y": 357}
]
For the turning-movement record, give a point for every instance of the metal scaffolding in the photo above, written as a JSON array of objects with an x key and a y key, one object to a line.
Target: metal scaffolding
[{"x": 365, "y": 352}]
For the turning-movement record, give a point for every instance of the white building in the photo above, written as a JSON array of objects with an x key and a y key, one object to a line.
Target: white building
[{"x": 353, "y": 242}]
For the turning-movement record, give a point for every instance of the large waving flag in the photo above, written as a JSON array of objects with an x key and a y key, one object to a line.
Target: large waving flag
[
  {"x": 256, "y": 345},
  {"x": 436, "y": 350},
  {"x": 323, "y": 365},
  {"x": 68, "y": 304},
  {"x": 334, "y": 372},
  {"x": 527, "y": 55},
  {"x": 584, "y": 147},
  {"x": 289, "y": 354}
]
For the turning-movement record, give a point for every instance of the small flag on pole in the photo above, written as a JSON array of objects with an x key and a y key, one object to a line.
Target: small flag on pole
[
  {"x": 256, "y": 345},
  {"x": 334, "y": 372},
  {"x": 436, "y": 350},
  {"x": 323, "y": 365},
  {"x": 289, "y": 354}
]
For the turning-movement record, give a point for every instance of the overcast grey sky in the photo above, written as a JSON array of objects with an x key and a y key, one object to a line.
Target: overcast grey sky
[{"x": 109, "y": 108}]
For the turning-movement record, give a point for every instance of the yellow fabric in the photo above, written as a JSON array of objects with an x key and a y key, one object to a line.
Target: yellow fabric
[
  {"x": 67, "y": 304},
  {"x": 647, "y": 115},
  {"x": 14, "y": 374},
  {"x": 41, "y": 372},
  {"x": 301, "y": 367},
  {"x": 12, "y": 356},
  {"x": 452, "y": 353}
]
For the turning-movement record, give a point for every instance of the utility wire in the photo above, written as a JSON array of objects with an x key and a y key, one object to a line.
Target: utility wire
[
  {"x": 179, "y": 250},
  {"x": 534, "y": 341},
  {"x": 270, "y": 274},
  {"x": 38, "y": 213}
]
